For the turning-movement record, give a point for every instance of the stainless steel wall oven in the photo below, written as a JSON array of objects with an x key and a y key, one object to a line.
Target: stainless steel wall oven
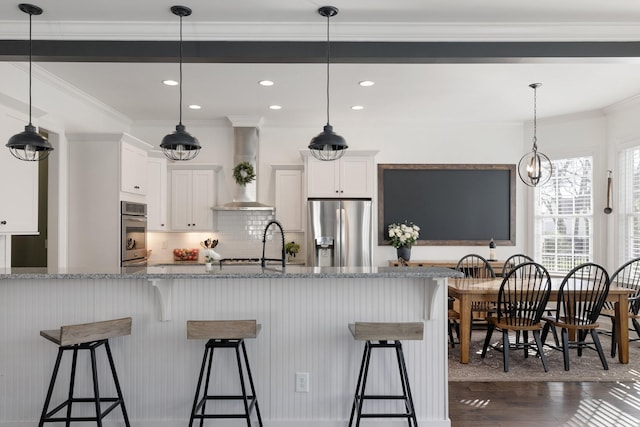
[{"x": 134, "y": 233}]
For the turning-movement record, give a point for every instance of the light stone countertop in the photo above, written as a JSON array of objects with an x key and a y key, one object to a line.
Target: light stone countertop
[{"x": 168, "y": 271}]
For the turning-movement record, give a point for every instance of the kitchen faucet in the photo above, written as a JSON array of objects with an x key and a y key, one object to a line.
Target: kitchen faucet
[{"x": 263, "y": 260}]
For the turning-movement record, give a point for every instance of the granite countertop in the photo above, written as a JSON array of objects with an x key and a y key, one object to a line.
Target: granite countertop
[{"x": 177, "y": 271}]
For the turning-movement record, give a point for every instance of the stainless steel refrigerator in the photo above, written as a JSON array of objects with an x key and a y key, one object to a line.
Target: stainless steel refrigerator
[{"x": 339, "y": 233}]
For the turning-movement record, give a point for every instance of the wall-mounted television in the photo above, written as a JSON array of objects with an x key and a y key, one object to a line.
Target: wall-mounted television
[{"x": 454, "y": 204}]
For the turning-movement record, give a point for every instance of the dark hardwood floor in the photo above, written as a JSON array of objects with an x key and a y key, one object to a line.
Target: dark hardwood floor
[{"x": 544, "y": 404}]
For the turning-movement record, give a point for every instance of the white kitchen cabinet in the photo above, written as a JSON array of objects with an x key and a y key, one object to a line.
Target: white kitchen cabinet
[
  {"x": 350, "y": 176},
  {"x": 193, "y": 194},
  {"x": 133, "y": 169},
  {"x": 19, "y": 189},
  {"x": 289, "y": 197},
  {"x": 157, "y": 194}
]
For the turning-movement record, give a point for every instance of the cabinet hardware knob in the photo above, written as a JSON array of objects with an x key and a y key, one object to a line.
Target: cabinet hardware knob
[
  {"x": 161, "y": 225},
  {"x": 3, "y": 222}
]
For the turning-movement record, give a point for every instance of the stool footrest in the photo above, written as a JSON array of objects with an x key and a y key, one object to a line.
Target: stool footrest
[
  {"x": 250, "y": 399},
  {"x": 48, "y": 417}
]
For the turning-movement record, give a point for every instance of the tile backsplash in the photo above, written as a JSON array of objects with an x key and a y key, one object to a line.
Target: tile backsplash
[{"x": 239, "y": 235}]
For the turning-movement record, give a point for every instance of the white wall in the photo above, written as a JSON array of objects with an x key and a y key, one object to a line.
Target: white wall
[
  {"x": 583, "y": 134},
  {"x": 623, "y": 131}
]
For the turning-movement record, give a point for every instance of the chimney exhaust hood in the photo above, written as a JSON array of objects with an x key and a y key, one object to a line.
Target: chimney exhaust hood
[{"x": 245, "y": 149}]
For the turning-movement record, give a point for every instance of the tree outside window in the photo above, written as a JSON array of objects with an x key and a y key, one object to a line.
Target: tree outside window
[{"x": 564, "y": 216}]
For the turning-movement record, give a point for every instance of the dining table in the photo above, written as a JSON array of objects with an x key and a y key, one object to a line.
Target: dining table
[{"x": 470, "y": 290}]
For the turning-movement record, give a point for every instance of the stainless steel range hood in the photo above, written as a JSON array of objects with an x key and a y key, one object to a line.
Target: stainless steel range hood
[{"x": 245, "y": 149}]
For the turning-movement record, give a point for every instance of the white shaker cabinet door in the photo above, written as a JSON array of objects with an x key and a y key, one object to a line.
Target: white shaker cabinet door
[
  {"x": 289, "y": 206},
  {"x": 157, "y": 194},
  {"x": 181, "y": 199},
  {"x": 323, "y": 178},
  {"x": 133, "y": 163},
  {"x": 192, "y": 197},
  {"x": 203, "y": 199},
  {"x": 356, "y": 176}
]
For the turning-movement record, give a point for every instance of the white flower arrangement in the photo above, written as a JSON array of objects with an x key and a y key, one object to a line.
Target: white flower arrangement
[{"x": 403, "y": 234}]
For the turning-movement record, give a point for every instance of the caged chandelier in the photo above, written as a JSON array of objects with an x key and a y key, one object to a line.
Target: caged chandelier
[
  {"x": 29, "y": 145},
  {"x": 328, "y": 145},
  {"x": 534, "y": 167},
  {"x": 180, "y": 145}
]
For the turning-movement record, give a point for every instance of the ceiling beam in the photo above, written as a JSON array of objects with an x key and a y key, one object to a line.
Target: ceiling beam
[{"x": 315, "y": 52}]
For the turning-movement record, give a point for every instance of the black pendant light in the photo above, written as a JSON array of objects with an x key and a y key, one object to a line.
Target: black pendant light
[
  {"x": 29, "y": 145},
  {"x": 180, "y": 145},
  {"x": 328, "y": 145},
  {"x": 534, "y": 167}
]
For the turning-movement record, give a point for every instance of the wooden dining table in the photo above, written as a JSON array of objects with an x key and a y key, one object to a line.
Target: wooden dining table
[{"x": 467, "y": 291}]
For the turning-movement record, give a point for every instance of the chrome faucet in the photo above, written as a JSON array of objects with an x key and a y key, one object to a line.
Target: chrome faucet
[{"x": 263, "y": 260}]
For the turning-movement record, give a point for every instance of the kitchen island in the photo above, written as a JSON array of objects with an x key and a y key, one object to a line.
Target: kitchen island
[{"x": 304, "y": 314}]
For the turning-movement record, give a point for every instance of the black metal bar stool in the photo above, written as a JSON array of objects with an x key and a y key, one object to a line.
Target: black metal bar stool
[
  {"x": 229, "y": 334},
  {"x": 381, "y": 336},
  {"x": 87, "y": 336}
]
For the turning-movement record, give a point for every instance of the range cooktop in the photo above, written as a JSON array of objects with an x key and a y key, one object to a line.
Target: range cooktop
[{"x": 239, "y": 261}]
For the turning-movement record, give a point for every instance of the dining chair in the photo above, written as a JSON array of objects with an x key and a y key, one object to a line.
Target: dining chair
[
  {"x": 627, "y": 276},
  {"x": 476, "y": 267},
  {"x": 522, "y": 299},
  {"x": 581, "y": 297},
  {"x": 513, "y": 261}
]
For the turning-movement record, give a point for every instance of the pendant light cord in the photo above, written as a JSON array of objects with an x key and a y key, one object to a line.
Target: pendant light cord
[
  {"x": 328, "y": 62},
  {"x": 30, "y": 60},
  {"x": 535, "y": 118},
  {"x": 180, "y": 75}
]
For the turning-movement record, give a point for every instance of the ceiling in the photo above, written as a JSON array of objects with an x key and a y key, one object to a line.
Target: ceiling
[{"x": 443, "y": 90}]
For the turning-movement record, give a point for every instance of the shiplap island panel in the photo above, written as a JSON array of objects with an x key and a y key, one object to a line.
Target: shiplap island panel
[{"x": 304, "y": 313}]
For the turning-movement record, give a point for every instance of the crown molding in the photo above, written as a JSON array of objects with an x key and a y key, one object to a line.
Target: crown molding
[
  {"x": 70, "y": 90},
  {"x": 341, "y": 31}
]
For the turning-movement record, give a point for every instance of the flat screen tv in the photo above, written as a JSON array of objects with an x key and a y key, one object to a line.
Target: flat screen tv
[{"x": 454, "y": 204}]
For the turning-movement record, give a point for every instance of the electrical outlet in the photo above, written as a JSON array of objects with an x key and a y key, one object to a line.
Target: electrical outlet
[
  {"x": 165, "y": 245},
  {"x": 302, "y": 382}
]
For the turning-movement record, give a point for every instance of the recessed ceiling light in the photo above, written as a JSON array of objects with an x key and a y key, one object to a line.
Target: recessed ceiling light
[
  {"x": 195, "y": 107},
  {"x": 357, "y": 107},
  {"x": 366, "y": 83},
  {"x": 170, "y": 82},
  {"x": 265, "y": 83},
  {"x": 275, "y": 107}
]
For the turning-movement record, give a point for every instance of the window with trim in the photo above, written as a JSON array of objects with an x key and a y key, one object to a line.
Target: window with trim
[
  {"x": 629, "y": 210},
  {"x": 563, "y": 225}
]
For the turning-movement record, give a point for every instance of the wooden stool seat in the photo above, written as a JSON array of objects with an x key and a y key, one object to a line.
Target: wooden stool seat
[
  {"x": 382, "y": 331},
  {"x": 88, "y": 332},
  {"x": 384, "y": 335},
  {"x": 89, "y": 337},
  {"x": 224, "y": 334},
  {"x": 222, "y": 329}
]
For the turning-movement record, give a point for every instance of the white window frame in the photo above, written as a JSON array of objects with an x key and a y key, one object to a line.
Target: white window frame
[
  {"x": 629, "y": 204},
  {"x": 564, "y": 261}
]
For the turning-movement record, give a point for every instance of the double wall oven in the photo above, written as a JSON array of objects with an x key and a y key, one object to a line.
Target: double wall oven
[{"x": 134, "y": 234}]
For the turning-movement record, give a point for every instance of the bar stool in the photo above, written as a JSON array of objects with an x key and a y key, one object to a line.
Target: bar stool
[
  {"x": 380, "y": 336},
  {"x": 87, "y": 336},
  {"x": 229, "y": 334}
]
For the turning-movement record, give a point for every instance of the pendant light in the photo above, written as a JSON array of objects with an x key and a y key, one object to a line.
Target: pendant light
[
  {"x": 29, "y": 145},
  {"x": 534, "y": 167},
  {"x": 180, "y": 145},
  {"x": 328, "y": 145}
]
